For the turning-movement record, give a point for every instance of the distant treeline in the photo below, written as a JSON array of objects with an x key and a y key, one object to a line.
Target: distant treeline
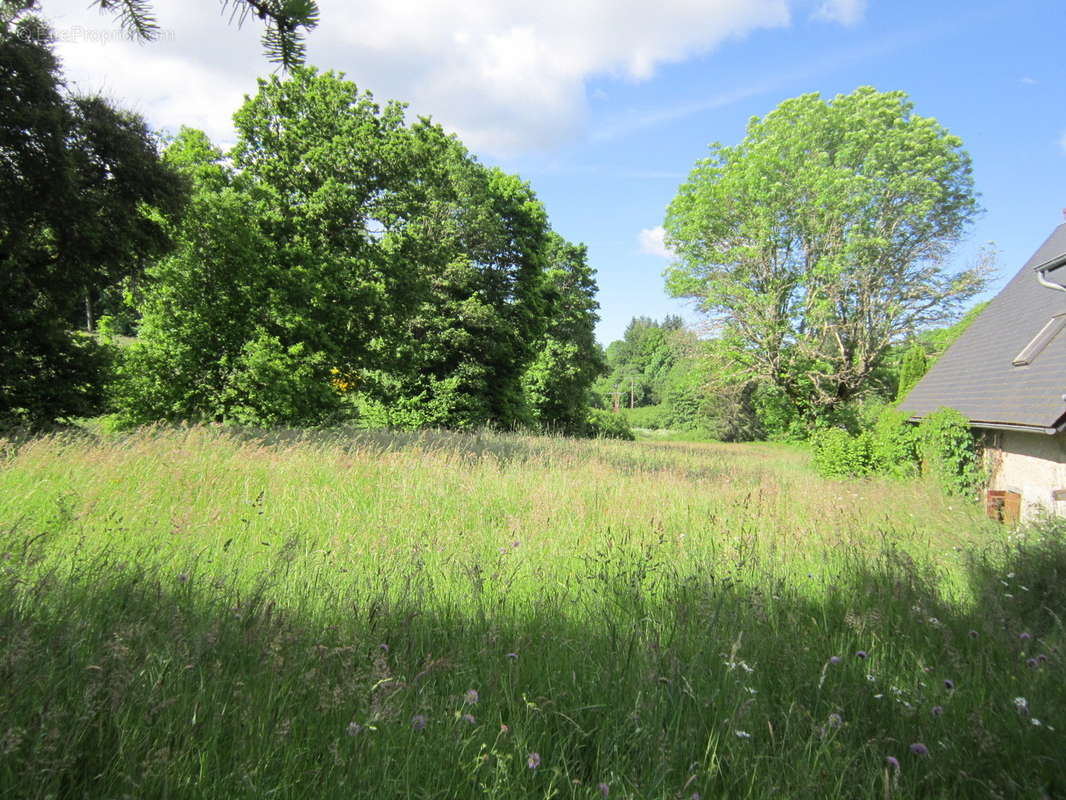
[{"x": 662, "y": 375}]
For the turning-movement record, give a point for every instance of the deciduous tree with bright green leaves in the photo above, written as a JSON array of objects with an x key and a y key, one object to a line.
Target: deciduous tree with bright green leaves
[
  {"x": 557, "y": 383},
  {"x": 347, "y": 263},
  {"x": 822, "y": 238}
]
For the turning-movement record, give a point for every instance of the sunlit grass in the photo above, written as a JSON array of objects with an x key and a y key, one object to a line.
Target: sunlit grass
[{"x": 215, "y": 614}]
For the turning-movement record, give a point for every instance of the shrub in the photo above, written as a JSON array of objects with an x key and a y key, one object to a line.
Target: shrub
[
  {"x": 949, "y": 451},
  {"x": 838, "y": 454},
  {"x": 608, "y": 425},
  {"x": 647, "y": 416},
  {"x": 894, "y": 445}
]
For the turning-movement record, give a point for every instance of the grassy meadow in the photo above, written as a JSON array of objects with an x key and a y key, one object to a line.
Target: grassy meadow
[{"x": 207, "y": 613}]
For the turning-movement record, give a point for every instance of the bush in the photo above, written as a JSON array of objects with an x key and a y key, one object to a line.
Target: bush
[
  {"x": 894, "y": 445},
  {"x": 608, "y": 425},
  {"x": 647, "y": 416},
  {"x": 949, "y": 451},
  {"x": 838, "y": 454}
]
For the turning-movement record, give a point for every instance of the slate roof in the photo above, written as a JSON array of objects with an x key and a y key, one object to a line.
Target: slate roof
[{"x": 975, "y": 375}]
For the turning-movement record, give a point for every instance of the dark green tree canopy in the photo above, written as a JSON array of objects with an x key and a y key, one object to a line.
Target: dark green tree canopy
[
  {"x": 821, "y": 239},
  {"x": 83, "y": 199}
]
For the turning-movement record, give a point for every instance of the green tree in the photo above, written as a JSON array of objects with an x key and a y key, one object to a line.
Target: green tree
[
  {"x": 820, "y": 240},
  {"x": 557, "y": 383},
  {"x": 83, "y": 195},
  {"x": 912, "y": 368},
  {"x": 280, "y": 283},
  {"x": 345, "y": 262},
  {"x": 639, "y": 363},
  {"x": 471, "y": 245}
]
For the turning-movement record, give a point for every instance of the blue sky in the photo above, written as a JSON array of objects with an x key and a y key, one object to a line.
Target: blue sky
[{"x": 605, "y": 105}]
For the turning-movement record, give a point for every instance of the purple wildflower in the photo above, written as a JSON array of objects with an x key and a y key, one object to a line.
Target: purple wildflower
[
  {"x": 919, "y": 749},
  {"x": 471, "y": 696},
  {"x": 419, "y": 722},
  {"x": 937, "y": 711},
  {"x": 533, "y": 760},
  {"x": 861, "y": 654},
  {"x": 1041, "y": 658},
  {"x": 513, "y": 656},
  {"x": 1024, "y": 636},
  {"x": 1031, "y": 663},
  {"x": 469, "y": 719},
  {"x": 603, "y": 789},
  {"x": 949, "y": 684},
  {"x": 973, "y": 634},
  {"x": 354, "y": 728},
  {"x": 835, "y": 721},
  {"x": 835, "y": 659},
  {"x": 892, "y": 761},
  {"x": 383, "y": 647}
]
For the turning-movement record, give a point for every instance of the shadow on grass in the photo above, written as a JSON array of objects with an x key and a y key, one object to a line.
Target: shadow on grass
[{"x": 632, "y": 677}]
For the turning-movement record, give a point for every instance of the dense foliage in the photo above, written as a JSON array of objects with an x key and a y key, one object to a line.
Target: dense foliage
[
  {"x": 343, "y": 264},
  {"x": 82, "y": 191},
  {"x": 941, "y": 445}
]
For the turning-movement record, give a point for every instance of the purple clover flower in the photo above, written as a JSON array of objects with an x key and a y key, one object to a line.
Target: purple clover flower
[
  {"x": 419, "y": 722},
  {"x": 469, "y": 719},
  {"x": 533, "y": 760},
  {"x": 949, "y": 684},
  {"x": 835, "y": 659},
  {"x": 892, "y": 761},
  {"x": 1024, "y": 636},
  {"x": 603, "y": 789},
  {"x": 937, "y": 711},
  {"x": 919, "y": 749},
  {"x": 973, "y": 634},
  {"x": 471, "y": 697}
]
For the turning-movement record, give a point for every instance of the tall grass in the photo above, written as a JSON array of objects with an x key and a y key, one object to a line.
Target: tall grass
[{"x": 200, "y": 613}]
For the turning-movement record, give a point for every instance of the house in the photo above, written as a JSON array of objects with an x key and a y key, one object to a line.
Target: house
[{"x": 1007, "y": 374}]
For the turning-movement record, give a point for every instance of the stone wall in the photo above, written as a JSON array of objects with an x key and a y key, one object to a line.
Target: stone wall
[{"x": 1031, "y": 464}]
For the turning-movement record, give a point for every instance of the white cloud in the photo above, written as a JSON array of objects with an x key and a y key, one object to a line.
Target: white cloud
[
  {"x": 652, "y": 243},
  {"x": 506, "y": 75},
  {"x": 845, "y": 12},
  {"x": 1028, "y": 81}
]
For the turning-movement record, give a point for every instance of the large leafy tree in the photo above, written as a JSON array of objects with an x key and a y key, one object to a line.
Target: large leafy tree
[
  {"x": 279, "y": 284},
  {"x": 821, "y": 239},
  {"x": 82, "y": 200},
  {"x": 468, "y": 244},
  {"x": 344, "y": 256},
  {"x": 558, "y": 381}
]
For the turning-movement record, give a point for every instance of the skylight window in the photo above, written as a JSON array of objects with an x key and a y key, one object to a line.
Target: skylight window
[{"x": 1040, "y": 341}]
